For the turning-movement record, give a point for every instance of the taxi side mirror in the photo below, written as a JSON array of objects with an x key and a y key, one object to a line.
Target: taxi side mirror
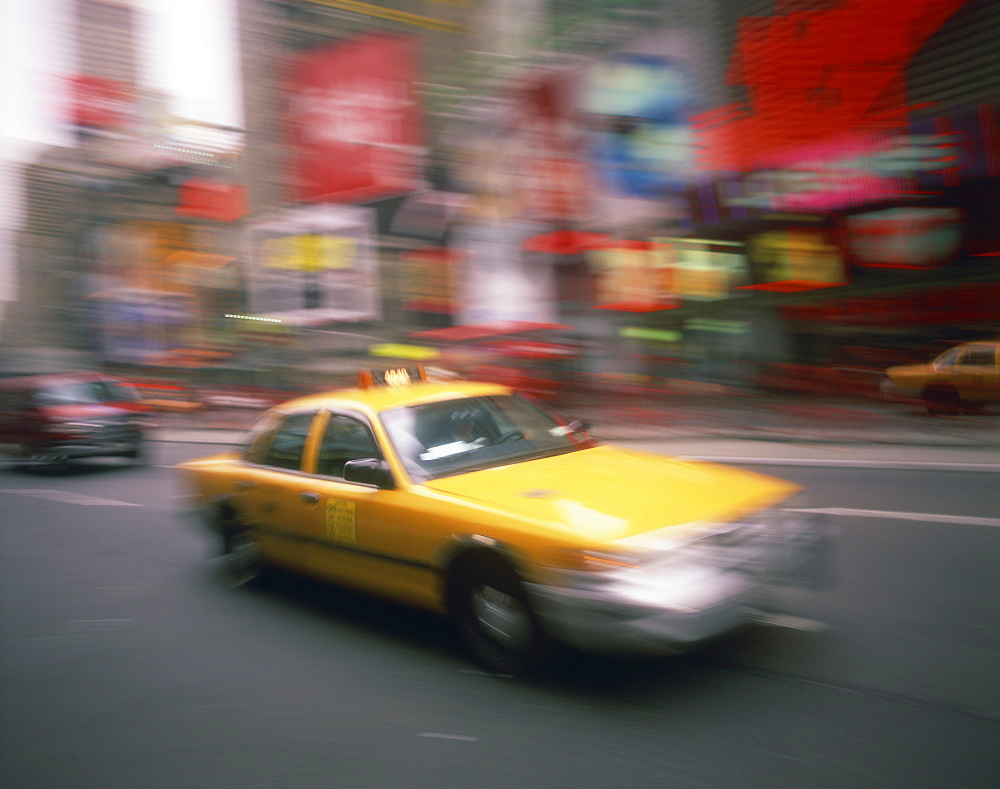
[{"x": 369, "y": 471}]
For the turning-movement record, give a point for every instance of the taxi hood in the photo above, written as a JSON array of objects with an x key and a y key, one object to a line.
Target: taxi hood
[{"x": 607, "y": 493}]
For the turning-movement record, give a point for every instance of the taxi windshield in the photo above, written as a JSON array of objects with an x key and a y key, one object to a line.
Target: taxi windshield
[{"x": 474, "y": 433}]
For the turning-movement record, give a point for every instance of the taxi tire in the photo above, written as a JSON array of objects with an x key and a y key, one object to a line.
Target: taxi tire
[
  {"x": 243, "y": 563},
  {"x": 941, "y": 401},
  {"x": 487, "y": 579}
]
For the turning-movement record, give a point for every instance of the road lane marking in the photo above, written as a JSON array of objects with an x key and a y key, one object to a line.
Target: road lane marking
[
  {"x": 437, "y": 736},
  {"x": 790, "y": 622},
  {"x": 66, "y": 497},
  {"x": 925, "y": 517}
]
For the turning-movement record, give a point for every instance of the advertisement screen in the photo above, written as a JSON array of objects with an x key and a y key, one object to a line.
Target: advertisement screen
[{"x": 352, "y": 120}]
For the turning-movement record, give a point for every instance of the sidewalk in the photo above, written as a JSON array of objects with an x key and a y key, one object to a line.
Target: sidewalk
[{"x": 822, "y": 433}]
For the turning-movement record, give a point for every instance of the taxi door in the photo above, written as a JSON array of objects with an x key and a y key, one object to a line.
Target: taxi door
[
  {"x": 978, "y": 380},
  {"x": 271, "y": 492},
  {"x": 361, "y": 533}
]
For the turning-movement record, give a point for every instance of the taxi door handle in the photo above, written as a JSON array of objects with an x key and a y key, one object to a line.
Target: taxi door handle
[
  {"x": 309, "y": 497},
  {"x": 243, "y": 484}
]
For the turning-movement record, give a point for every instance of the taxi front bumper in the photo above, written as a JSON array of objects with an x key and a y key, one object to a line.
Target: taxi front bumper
[
  {"x": 683, "y": 600},
  {"x": 609, "y": 624}
]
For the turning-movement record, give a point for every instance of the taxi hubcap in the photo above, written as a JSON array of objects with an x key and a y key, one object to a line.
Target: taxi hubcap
[{"x": 502, "y": 616}]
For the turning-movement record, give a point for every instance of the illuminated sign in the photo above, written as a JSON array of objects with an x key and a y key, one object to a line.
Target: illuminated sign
[
  {"x": 633, "y": 276},
  {"x": 641, "y": 276},
  {"x": 314, "y": 265},
  {"x": 308, "y": 252},
  {"x": 100, "y": 102},
  {"x": 393, "y": 378},
  {"x": 428, "y": 280},
  {"x": 904, "y": 237},
  {"x": 223, "y": 202},
  {"x": 706, "y": 270},
  {"x": 857, "y": 170},
  {"x": 642, "y": 145},
  {"x": 815, "y": 75},
  {"x": 795, "y": 259},
  {"x": 353, "y": 121}
]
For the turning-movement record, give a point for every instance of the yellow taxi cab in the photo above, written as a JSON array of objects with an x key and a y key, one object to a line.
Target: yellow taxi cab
[
  {"x": 962, "y": 379},
  {"x": 470, "y": 500}
]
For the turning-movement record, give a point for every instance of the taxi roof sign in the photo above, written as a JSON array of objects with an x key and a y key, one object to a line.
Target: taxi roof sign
[{"x": 393, "y": 377}]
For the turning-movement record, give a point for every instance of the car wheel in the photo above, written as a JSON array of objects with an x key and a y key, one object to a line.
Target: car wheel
[
  {"x": 46, "y": 459},
  {"x": 493, "y": 616},
  {"x": 243, "y": 562},
  {"x": 941, "y": 400},
  {"x": 138, "y": 454}
]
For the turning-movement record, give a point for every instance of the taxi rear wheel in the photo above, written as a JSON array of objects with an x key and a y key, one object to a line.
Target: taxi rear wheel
[
  {"x": 494, "y": 618},
  {"x": 243, "y": 562}
]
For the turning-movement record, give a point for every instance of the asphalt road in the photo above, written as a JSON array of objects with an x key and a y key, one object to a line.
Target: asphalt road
[{"x": 126, "y": 662}]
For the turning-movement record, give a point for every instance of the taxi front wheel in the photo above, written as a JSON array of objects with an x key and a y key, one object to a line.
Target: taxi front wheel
[
  {"x": 493, "y": 616},
  {"x": 941, "y": 401}
]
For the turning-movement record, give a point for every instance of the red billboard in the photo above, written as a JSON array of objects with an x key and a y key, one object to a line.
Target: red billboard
[
  {"x": 223, "y": 202},
  {"x": 353, "y": 123},
  {"x": 813, "y": 75},
  {"x": 99, "y": 102}
]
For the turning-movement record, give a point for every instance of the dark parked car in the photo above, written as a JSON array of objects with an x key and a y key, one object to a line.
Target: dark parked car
[{"x": 53, "y": 419}]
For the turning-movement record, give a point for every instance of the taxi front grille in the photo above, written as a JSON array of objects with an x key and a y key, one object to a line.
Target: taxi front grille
[{"x": 738, "y": 545}]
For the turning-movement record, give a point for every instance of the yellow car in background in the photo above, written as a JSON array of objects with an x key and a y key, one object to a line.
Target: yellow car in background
[
  {"x": 963, "y": 379},
  {"x": 470, "y": 500}
]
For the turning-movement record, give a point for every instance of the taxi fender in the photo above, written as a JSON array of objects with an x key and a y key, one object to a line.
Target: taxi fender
[{"x": 458, "y": 545}]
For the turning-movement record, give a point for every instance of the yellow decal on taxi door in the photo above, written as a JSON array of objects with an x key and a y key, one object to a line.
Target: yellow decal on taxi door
[{"x": 340, "y": 521}]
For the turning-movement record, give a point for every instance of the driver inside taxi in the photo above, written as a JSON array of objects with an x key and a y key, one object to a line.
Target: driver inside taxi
[{"x": 465, "y": 428}]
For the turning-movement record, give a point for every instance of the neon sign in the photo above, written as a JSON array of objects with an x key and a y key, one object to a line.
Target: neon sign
[{"x": 816, "y": 75}]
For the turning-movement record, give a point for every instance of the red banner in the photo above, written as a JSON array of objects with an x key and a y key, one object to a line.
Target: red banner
[{"x": 353, "y": 121}]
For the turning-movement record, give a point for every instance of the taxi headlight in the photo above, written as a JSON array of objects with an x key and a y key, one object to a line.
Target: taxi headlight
[
  {"x": 589, "y": 569},
  {"x": 586, "y": 561},
  {"x": 770, "y": 541}
]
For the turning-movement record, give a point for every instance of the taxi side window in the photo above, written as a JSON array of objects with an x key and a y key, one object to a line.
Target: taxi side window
[
  {"x": 259, "y": 437},
  {"x": 950, "y": 358},
  {"x": 346, "y": 438},
  {"x": 285, "y": 449},
  {"x": 981, "y": 356}
]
